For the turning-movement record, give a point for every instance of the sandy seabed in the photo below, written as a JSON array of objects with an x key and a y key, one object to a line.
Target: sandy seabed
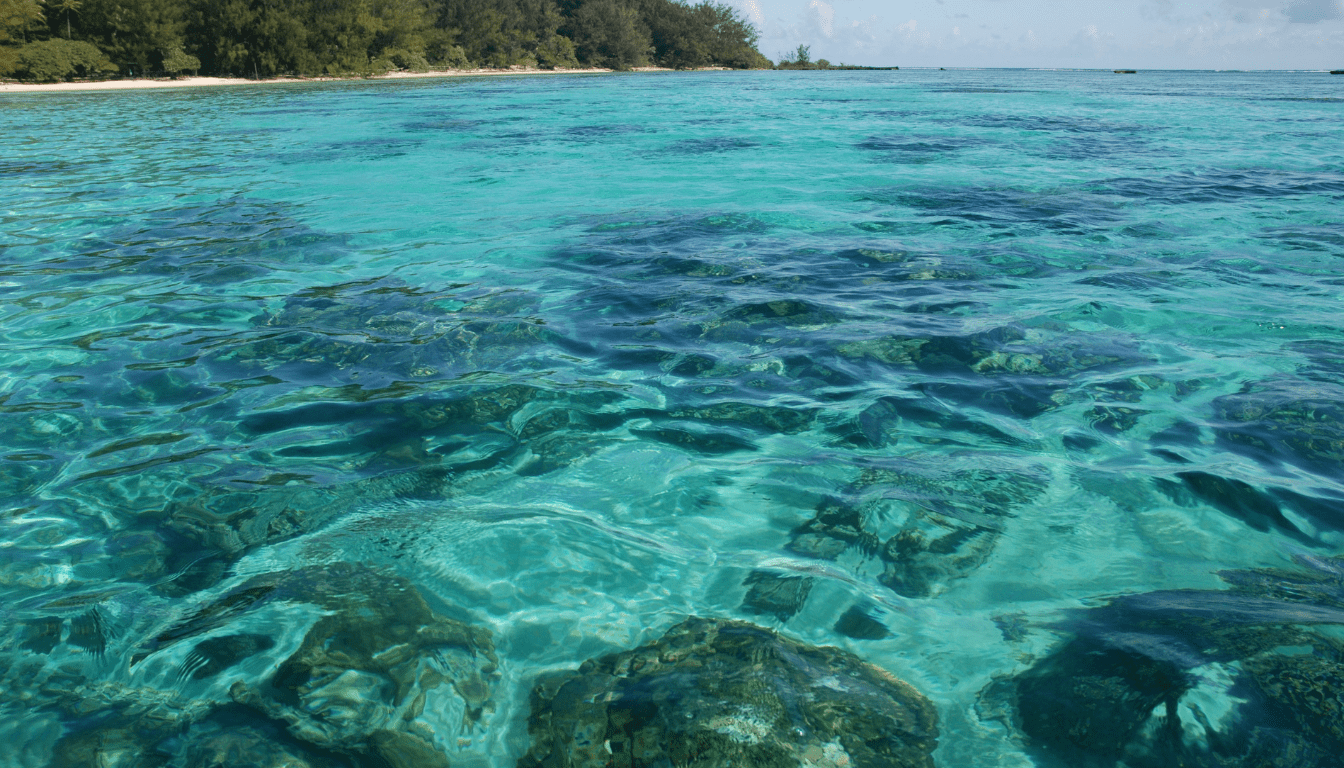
[{"x": 200, "y": 82}]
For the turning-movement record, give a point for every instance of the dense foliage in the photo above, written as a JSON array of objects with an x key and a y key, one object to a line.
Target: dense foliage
[{"x": 56, "y": 39}]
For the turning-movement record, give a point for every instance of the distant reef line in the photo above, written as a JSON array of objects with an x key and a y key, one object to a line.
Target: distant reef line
[{"x": 53, "y": 41}]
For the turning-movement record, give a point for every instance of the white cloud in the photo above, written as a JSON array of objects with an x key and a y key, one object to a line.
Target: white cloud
[
  {"x": 753, "y": 12},
  {"x": 823, "y": 17}
]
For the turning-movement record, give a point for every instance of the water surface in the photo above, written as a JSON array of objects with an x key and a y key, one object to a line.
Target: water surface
[{"x": 923, "y": 365}]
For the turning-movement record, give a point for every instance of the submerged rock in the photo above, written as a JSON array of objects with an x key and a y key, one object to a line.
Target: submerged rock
[
  {"x": 358, "y": 682},
  {"x": 352, "y": 694},
  {"x": 256, "y": 745},
  {"x": 718, "y": 693},
  {"x": 1198, "y": 678},
  {"x": 953, "y": 521},
  {"x": 950, "y": 523},
  {"x": 1297, "y": 422}
]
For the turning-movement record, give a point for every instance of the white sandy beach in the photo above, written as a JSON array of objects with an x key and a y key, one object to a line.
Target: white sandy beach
[{"x": 203, "y": 82}]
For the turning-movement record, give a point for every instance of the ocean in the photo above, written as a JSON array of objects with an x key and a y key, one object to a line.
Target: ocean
[{"x": 336, "y": 419}]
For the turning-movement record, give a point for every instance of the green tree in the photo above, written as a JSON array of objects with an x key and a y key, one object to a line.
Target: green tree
[
  {"x": 135, "y": 33},
  {"x": 608, "y": 34},
  {"x": 678, "y": 33},
  {"x": 732, "y": 39},
  {"x": 49, "y": 61},
  {"x": 269, "y": 37},
  {"x": 177, "y": 61},
  {"x": 255, "y": 37},
  {"x": 502, "y": 33},
  {"x": 16, "y": 18},
  {"x": 710, "y": 33},
  {"x": 556, "y": 52}
]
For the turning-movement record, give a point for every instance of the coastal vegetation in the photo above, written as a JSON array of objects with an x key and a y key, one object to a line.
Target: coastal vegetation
[
  {"x": 801, "y": 58},
  {"x": 51, "y": 40}
]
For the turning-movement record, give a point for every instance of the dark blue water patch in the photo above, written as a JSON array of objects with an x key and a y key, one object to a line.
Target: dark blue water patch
[
  {"x": 948, "y": 305},
  {"x": 384, "y": 330},
  {"x": 894, "y": 114},
  {"x": 23, "y": 474},
  {"x": 650, "y": 307},
  {"x": 14, "y": 169},
  {"x": 1113, "y": 419},
  {"x": 1094, "y": 147},
  {"x": 296, "y": 109},
  {"x": 914, "y": 149},
  {"x": 889, "y": 419},
  {"x": 1151, "y": 230},
  {"x": 978, "y": 90},
  {"x": 390, "y": 349},
  {"x": 441, "y": 125},
  {"x": 1055, "y": 124},
  {"x": 207, "y": 525},
  {"x": 1004, "y": 352},
  {"x": 997, "y": 373},
  {"x": 1276, "y": 273},
  {"x": 1062, "y": 211},
  {"x": 678, "y": 229},
  {"x": 712, "y": 145},
  {"x": 1299, "y": 422},
  {"x": 1317, "y": 99},
  {"x": 862, "y": 622},
  {"x": 1261, "y": 510},
  {"x": 696, "y": 440},
  {"x": 836, "y": 100},
  {"x": 1021, "y": 397},
  {"x": 600, "y": 133},
  {"x": 933, "y": 274},
  {"x": 1123, "y": 685},
  {"x": 783, "y": 312},
  {"x": 1224, "y": 186},
  {"x": 230, "y": 241},
  {"x": 1182, "y": 433},
  {"x": 365, "y": 613},
  {"x": 1325, "y": 359},
  {"x": 266, "y": 131},
  {"x": 374, "y": 306},
  {"x": 1326, "y": 238},
  {"x": 360, "y": 150},
  {"x": 951, "y": 522},
  {"x": 401, "y": 430},
  {"x": 1318, "y": 581},
  {"x": 1128, "y": 280}
]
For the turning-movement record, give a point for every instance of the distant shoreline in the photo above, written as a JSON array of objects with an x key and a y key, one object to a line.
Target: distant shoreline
[{"x": 208, "y": 82}]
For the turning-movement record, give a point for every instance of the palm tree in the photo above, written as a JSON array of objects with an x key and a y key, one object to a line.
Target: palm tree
[{"x": 66, "y": 6}]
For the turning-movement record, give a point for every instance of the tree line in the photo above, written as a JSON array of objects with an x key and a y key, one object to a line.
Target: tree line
[{"x": 47, "y": 40}]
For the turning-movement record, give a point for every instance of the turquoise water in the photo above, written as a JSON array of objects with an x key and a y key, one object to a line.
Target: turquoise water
[{"x": 923, "y": 365}]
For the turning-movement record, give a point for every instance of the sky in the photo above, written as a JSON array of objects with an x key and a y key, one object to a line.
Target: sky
[{"x": 1146, "y": 34}]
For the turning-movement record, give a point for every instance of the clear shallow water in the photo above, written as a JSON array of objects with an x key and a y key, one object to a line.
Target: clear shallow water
[{"x": 916, "y": 364}]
